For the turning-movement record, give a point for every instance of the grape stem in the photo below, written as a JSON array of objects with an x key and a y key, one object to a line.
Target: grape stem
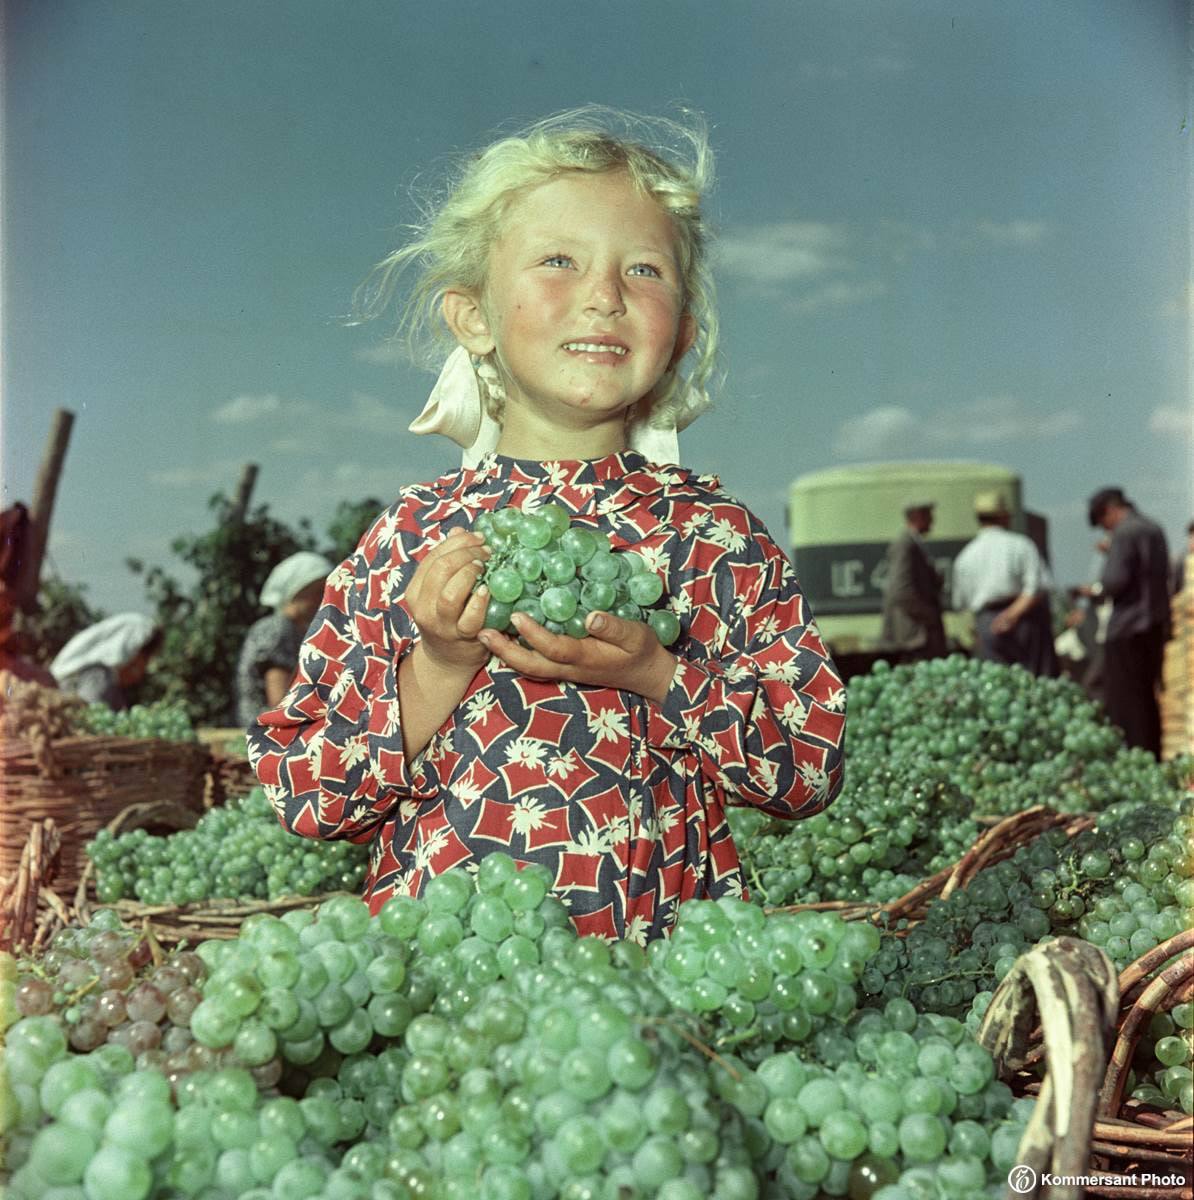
[{"x": 696, "y": 1042}]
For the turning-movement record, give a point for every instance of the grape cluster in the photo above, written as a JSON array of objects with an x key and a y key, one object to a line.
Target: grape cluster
[
  {"x": 894, "y": 1104},
  {"x": 758, "y": 980},
  {"x": 557, "y": 572},
  {"x": 886, "y": 831},
  {"x": 469, "y": 1044},
  {"x": 102, "y": 983},
  {"x": 1163, "y": 1064},
  {"x": 1126, "y": 886},
  {"x": 236, "y": 851},
  {"x": 164, "y": 719}
]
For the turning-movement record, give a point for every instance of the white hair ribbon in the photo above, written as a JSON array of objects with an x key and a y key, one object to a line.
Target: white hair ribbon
[{"x": 454, "y": 409}]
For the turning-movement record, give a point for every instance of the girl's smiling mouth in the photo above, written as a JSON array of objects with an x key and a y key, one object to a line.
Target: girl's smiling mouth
[{"x": 606, "y": 349}]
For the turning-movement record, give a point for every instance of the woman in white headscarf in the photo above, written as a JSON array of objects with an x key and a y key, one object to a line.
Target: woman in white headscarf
[
  {"x": 270, "y": 652},
  {"x": 106, "y": 659}
]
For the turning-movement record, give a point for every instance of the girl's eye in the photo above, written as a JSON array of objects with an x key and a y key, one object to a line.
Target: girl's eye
[
  {"x": 557, "y": 260},
  {"x": 646, "y": 269}
]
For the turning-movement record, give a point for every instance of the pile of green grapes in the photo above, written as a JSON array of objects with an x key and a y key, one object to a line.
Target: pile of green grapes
[
  {"x": 236, "y": 851},
  {"x": 1009, "y": 739},
  {"x": 167, "y": 720},
  {"x": 557, "y": 572},
  {"x": 469, "y": 1044},
  {"x": 1126, "y": 886},
  {"x": 886, "y": 831},
  {"x": 930, "y": 747}
]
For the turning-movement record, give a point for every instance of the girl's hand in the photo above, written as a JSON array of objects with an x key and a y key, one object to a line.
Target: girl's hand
[
  {"x": 442, "y": 603},
  {"x": 618, "y": 654}
]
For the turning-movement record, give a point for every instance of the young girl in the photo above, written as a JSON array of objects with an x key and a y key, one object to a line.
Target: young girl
[{"x": 569, "y": 266}]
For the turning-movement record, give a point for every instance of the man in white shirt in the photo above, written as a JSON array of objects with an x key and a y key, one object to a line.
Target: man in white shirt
[{"x": 1001, "y": 578}]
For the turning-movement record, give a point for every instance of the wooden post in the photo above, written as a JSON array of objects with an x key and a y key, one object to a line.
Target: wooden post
[
  {"x": 244, "y": 490},
  {"x": 44, "y": 491}
]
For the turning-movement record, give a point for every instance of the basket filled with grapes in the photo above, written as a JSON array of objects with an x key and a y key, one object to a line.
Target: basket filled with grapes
[
  {"x": 79, "y": 766},
  {"x": 190, "y": 877},
  {"x": 557, "y": 571}
]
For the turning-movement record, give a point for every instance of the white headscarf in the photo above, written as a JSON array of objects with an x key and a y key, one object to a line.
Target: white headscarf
[
  {"x": 109, "y": 643},
  {"x": 454, "y": 409},
  {"x": 291, "y": 575}
]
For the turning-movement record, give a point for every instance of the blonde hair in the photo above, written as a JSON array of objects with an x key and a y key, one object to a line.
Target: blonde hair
[{"x": 450, "y": 248}]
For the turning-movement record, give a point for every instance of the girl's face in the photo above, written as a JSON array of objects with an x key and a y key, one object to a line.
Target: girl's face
[{"x": 584, "y": 301}]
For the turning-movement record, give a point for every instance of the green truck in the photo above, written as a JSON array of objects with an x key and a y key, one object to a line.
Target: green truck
[{"x": 841, "y": 521}]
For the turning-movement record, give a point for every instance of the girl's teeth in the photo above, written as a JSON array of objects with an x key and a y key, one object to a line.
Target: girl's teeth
[{"x": 594, "y": 348}]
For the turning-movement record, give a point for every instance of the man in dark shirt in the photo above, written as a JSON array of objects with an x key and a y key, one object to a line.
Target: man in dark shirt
[
  {"x": 912, "y": 624},
  {"x": 1136, "y": 579}
]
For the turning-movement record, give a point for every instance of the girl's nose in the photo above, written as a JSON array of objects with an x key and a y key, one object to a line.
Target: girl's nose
[{"x": 605, "y": 294}]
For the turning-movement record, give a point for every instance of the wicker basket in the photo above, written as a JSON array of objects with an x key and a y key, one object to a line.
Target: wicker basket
[
  {"x": 26, "y": 898},
  {"x": 82, "y": 783},
  {"x": 171, "y": 924},
  {"x": 1129, "y": 1139},
  {"x": 228, "y": 778}
]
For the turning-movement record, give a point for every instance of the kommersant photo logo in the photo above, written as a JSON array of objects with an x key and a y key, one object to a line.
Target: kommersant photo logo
[{"x": 1023, "y": 1179}]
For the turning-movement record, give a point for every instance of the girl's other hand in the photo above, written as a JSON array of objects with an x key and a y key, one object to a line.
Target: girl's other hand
[
  {"x": 442, "y": 603},
  {"x": 619, "y": 654}
]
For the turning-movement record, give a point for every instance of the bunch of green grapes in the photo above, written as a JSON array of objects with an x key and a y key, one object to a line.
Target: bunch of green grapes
[
  {"x": 893, "y": 1104},
  {"x": 237, "y": 851},
  {"x": 886, "y": 831},
  {"x": 557, "y": 572},
  {"x": 758, "y": 979},
  {"x": 1007, "y": 738},
  {"x": 1127, "y": 886},
  {"x": 164, "y": 719},
  {"x": 1163, "y": 1065}
]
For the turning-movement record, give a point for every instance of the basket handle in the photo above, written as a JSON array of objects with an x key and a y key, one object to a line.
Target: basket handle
[{"x": 1073, "y": 987}]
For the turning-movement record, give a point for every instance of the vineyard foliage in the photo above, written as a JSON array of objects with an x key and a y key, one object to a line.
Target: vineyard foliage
[{"x": 206, "y": 615}]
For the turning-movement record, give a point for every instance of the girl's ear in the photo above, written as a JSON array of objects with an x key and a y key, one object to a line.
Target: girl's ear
[
  {"x": 685, "y": 336},
  {"x": 465, "y": 318}
]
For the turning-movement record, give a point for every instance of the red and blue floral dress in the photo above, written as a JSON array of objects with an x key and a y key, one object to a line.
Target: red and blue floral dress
[{"x": 622, "y": 799}]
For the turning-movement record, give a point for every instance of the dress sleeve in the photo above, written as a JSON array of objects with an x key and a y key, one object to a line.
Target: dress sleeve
[
  {"x": 330, "y": 755},
  {"x": 765, "y": 714}
]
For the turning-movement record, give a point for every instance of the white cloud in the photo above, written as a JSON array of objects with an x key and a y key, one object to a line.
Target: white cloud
[
  {"x": 370, "y": 414},
  {"x": 1012, "y": 233},
  {"x": 838, "y": 294},
  {"x": 781, "y": 252},
  {"x": 383, "y": 354},
  {"x": 893, "y": 431},
  {"x": 874, "y": 433},
  {"x": 246, "y": 408},
  {"x": 216, "y": 474},
  {"x": 1170, "y": 421}
]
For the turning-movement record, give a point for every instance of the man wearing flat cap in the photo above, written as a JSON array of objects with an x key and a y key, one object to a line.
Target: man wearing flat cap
[
  {"x": 912, "y": 625},
  {"x": 1001, "y": 577},
  {"x": 1136, "y": 579}
]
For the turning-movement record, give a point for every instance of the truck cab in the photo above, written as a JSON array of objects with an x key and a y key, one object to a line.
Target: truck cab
[{"x": 841, "y": 521}]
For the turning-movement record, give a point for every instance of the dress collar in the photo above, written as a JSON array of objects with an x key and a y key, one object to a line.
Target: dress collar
[
  {"x": 566, "y": 472},
  {"x": 599, "y": 486}
]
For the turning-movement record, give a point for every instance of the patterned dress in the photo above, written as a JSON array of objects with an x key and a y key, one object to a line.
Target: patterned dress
[{"x": 621, "y": 799}]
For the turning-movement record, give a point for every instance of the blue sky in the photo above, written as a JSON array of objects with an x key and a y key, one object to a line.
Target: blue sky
[{"x": 945, "y": 231}]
